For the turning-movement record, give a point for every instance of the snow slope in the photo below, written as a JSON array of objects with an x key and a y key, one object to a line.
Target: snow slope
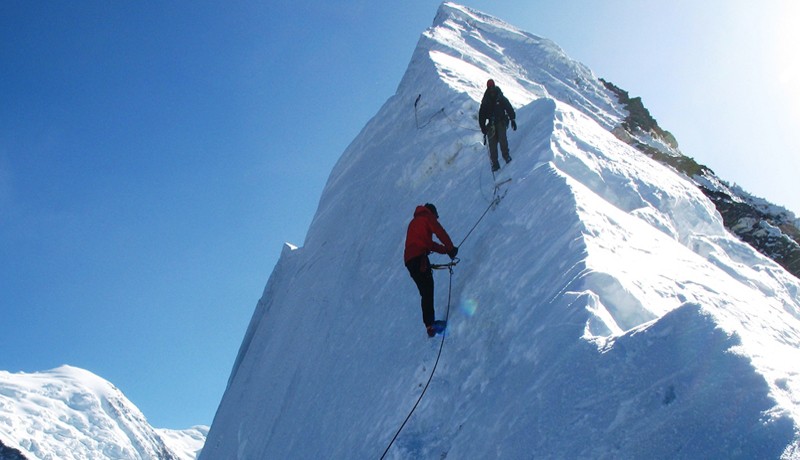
[
  {"x": 70, "y": 413},
  {"x": 185, "y": 444},
  {"x": 600, "y": 310}
]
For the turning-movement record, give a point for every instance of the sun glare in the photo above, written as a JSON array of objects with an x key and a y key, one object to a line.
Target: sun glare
[{"x": 787, "y": 51}]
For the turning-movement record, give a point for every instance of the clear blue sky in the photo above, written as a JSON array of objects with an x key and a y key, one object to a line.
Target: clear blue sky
[{"x": 154, "y": 156}]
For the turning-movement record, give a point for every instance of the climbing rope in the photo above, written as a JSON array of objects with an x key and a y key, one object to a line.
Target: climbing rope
[
  {"x": 416, "y": 119},
  {"x": 449, "y": 268},
  {"x": 441, "y": 111},
  {"x": 494, "y": 203},
  {"x": 495, "y": 187}
]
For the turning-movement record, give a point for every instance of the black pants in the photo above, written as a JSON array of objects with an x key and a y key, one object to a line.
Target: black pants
[
  {"x": 420, "y": 270},
  {"x": 501, "y": 137}
]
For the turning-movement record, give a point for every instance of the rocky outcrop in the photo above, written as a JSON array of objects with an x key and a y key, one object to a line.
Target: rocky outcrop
[{"x": 770, "y": 229}]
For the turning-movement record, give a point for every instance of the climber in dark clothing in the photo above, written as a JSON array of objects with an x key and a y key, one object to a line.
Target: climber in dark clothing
[
  {"x": 419, "y": 243},
  {"x": 493, "y": 117}
]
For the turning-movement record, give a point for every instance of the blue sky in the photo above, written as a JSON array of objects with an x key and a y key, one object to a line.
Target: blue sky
[{"x": 155, "y": 156}]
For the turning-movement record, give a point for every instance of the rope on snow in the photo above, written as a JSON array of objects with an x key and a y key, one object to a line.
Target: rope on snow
[{"x": 435, "y": 364}]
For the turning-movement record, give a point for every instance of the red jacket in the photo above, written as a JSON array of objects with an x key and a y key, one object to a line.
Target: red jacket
[{"x": 419, "y": 240}]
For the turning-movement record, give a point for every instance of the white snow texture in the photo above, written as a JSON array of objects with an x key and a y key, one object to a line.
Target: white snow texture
[
  {"x": 69, "y": 413},
  {"x": 600, "y": 310}
]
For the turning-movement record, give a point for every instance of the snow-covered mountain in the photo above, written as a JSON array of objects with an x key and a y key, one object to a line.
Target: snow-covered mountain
[
  {"x": 70, "y": 413},
  {"x": 601, "y": 309}
]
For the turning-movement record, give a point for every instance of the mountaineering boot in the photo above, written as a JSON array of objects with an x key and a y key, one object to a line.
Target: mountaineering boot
[
  {"x": 495, "y": 167},
  {"x": 507, "y": 158},
  {"x": 431, "y": 330},
  {"x": 437, "y": 327}
]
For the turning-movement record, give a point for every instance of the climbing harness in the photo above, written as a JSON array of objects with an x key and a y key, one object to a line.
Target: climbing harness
[{"x": 449, "y": 267}]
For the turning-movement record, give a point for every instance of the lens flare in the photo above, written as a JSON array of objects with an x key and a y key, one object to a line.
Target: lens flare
[{"x": 469, "y": 306}]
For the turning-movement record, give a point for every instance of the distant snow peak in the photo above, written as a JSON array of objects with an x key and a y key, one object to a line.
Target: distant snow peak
[{"x": 71, "y": 413}]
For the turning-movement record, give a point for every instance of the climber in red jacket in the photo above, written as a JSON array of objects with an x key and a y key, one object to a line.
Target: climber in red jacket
[{"x": 419, "y": 243}]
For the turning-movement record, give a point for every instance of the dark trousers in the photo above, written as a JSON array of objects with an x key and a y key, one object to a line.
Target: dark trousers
[
  {"x": 420, "y": 270},
  {"x": 498, "y": 137}
]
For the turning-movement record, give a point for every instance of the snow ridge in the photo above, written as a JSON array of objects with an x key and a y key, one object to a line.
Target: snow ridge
[
  {"x": 70, "y": 413},
  {"x": 468, "y": 47},
  {"x": 600, "y": 310}
]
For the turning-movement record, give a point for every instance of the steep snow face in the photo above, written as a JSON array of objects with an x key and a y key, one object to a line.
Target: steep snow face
[
  {"x": 599, "y": 310},
  {"x": 70, "y": 413}
]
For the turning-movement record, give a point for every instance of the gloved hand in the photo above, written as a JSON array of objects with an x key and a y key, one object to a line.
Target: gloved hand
[
  {"x": 513, "y": 125},
  {"x": 453, "y": 253},
  {"x": 483, "y": 130}
]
